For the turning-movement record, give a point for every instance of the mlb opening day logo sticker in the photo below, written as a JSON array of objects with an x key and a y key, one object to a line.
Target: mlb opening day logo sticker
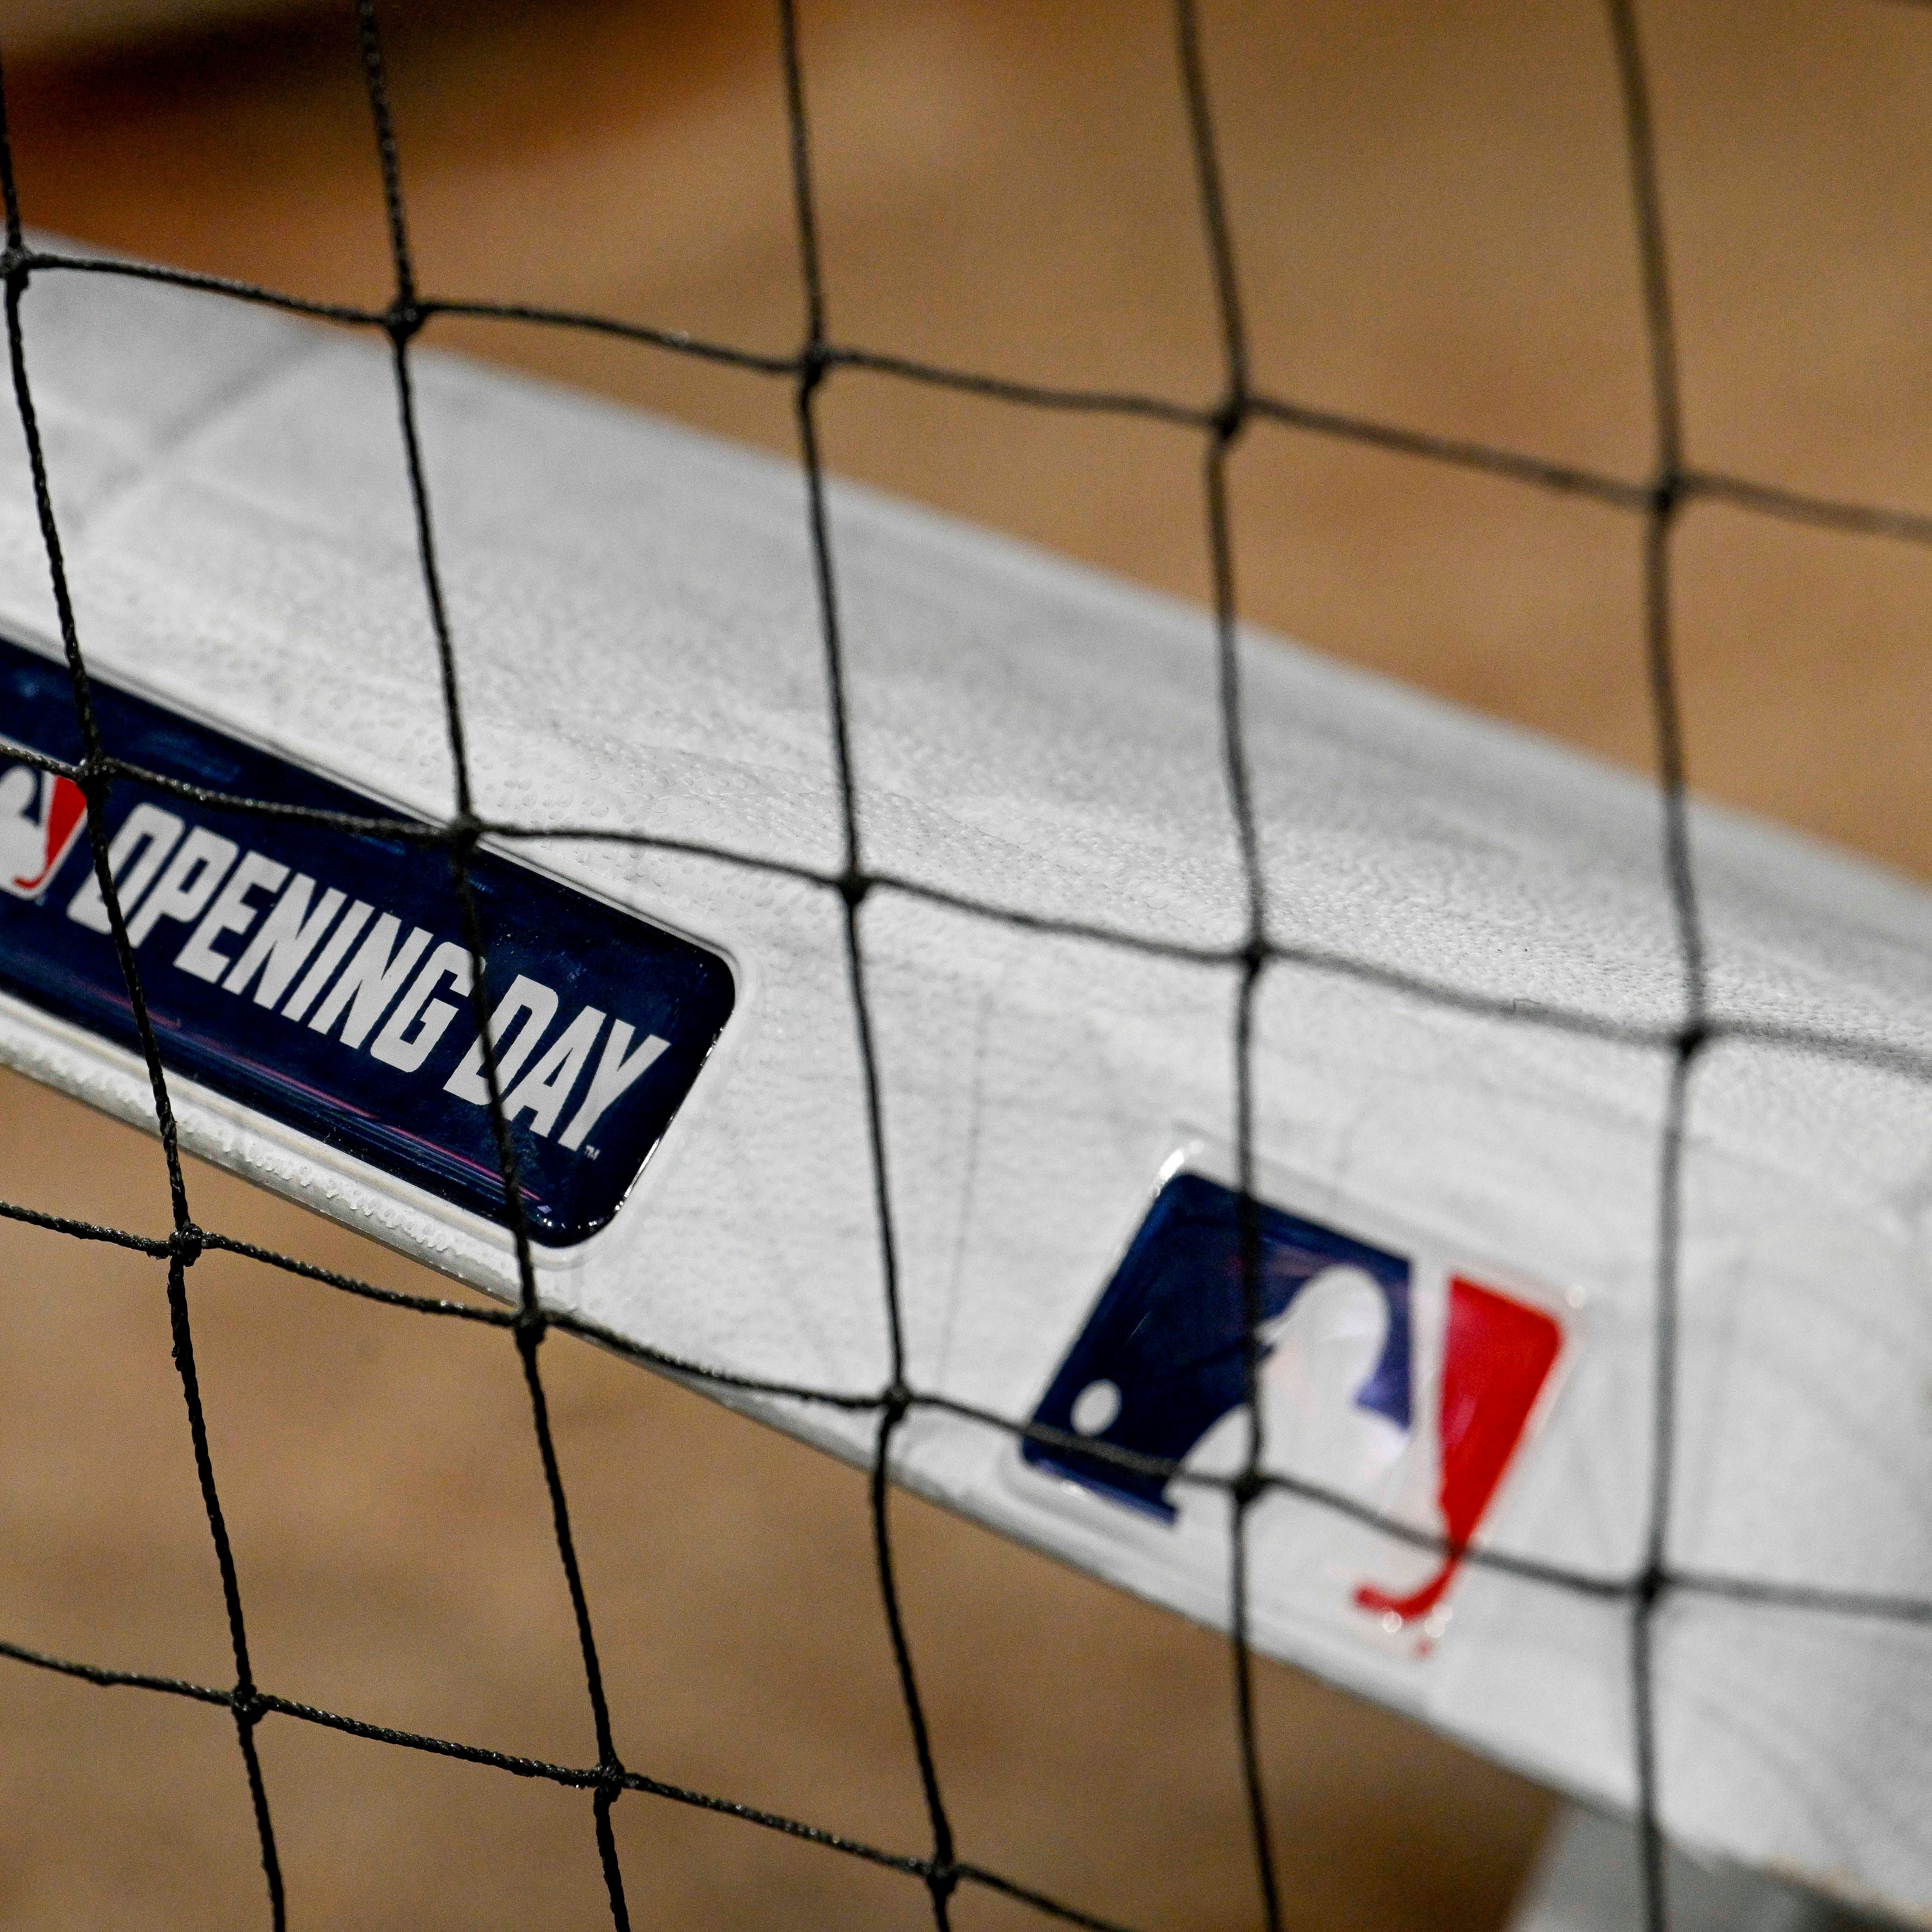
[
  {"x": 317, "y": 977},
  {"x": 1391, "y": 1375}
]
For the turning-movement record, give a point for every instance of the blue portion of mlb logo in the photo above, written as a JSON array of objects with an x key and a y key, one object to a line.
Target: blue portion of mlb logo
[
  {"x": 318, "y": 977},
  {"x": 1160, "y": 1359}
]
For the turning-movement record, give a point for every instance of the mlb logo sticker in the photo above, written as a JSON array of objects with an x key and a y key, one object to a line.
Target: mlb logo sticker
[
  {"x": 40, "y": 817},
  {"x": 1391, "y": 1375}
]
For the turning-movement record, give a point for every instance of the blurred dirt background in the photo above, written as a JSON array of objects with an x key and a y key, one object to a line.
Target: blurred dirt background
[{"x": 1430, "y": 213}]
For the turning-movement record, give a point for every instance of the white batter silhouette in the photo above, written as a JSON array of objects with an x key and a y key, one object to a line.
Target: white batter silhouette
[{"x": 1322, "y": 1348}]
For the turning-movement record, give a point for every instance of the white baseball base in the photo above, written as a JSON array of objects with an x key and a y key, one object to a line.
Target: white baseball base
[{"x": 640, "y": 647}]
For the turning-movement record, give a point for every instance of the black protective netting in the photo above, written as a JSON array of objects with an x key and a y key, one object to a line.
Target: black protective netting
[{"x": 1654, "y": 505}]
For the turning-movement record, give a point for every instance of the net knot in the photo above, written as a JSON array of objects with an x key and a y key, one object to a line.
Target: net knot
[
  {"x": 1666, "y": 494},
  {"x": 1651, "y": 1583},
  {"x": 187, "y": 1244},
  {"x": 17, "y": 263},
  {"x": 1230, "y": 419},
  {"x": 942, "y": 1880},
  {"x": 1692, "y": 1038},
  {"x": 894, "y": 1404},
  {"x": 1249, "y": 1487},
  {"x": 462, "y": 832},
  {"x": 853, "y": 887},
  {"x": 95, "y": 775},
  {"x": 529, "y": 1325},
  {"x": 814, "y": 365},
  {"x": 403, "y": 319},
  {"x": 249, "y": 1705}
]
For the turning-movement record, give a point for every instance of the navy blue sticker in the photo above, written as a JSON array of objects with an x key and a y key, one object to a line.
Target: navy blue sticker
[
  {"x": 1159, "y": 1360},
  {"x": 318, "y": 977}
]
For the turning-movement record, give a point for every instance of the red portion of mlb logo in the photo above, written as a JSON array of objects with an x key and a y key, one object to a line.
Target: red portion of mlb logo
[
  {"x": 41, "y": 815},
  {"x": 1497, "y": 1354}
]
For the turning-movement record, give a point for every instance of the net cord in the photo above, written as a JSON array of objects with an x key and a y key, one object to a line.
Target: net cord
[{"x": 1681, "y": 1045}]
